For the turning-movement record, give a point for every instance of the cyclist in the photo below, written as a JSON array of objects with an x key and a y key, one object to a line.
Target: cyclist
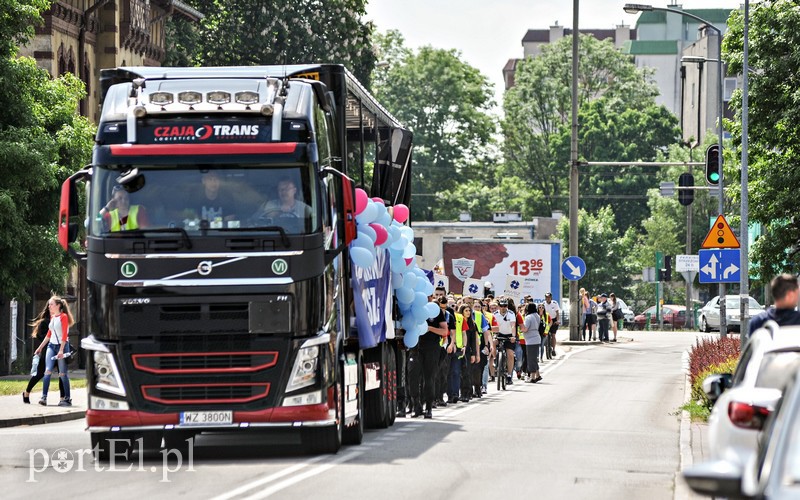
[{"x": 506, "y": 335}]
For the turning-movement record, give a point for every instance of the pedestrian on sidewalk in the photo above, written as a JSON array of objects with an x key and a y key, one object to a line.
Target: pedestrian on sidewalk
[
  {"x": 616, "y": 314},
  {"x": 57, "y": 347},
  {"x": 39, "y": 325},
  {"x": 603, "y": 315}
]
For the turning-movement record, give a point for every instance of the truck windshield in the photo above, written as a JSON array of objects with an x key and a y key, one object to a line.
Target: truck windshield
[{"x": 204, "y": 197}]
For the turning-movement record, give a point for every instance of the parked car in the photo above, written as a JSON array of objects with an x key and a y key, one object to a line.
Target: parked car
[
  {"x": 709, "y": 314},
  {"x": 564, "y": 321},
  {"x": 743, "y": 400},
  {"x": 775, "y": 470},
  {"x": 673, "y": 314},
  {"x": 628, "y": 317}
]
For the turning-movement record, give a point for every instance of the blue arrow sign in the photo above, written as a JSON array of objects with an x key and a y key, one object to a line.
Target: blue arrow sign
[
  {"x": 573, "y": 268},
  {"x": 720, "y": 266}
]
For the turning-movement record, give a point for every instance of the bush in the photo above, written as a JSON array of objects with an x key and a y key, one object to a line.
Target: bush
[{"x": 708, "y": 357}]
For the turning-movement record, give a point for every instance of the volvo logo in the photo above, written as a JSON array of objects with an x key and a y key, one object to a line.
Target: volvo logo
[
  {"x": 129, "y": 269},
  {"x": 204, "y": 268},
  {"x": 279, "y": 266},
  {"x": 132, "y": 302}
]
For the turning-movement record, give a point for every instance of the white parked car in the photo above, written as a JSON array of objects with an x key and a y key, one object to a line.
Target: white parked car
[
  {"x": 745, "y": 399},
  {"x": 709, "y": 314},
  {"x": 627, "y": 312}
]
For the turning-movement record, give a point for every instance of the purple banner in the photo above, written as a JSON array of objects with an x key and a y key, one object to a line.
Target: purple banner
[{"x": 371, "y": 289}]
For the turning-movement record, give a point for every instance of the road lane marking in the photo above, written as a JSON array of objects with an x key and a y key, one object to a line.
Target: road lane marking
[
  {"x": 305, "y": 475},
  {"x": 272, "y": 477}
]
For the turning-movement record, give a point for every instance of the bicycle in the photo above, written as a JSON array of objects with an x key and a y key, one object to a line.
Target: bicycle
[{"x": 501, "y": 366}]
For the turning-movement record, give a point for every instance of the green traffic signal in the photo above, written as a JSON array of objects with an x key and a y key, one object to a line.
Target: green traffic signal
[{"x": 713, "y": 164}]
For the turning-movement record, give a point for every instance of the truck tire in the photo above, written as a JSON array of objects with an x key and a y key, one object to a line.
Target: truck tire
[
  {"x": 376, "y": 401},
  {"x": 102, "y": 443},
  {"x": 320, "y": 440},
  {"x": 354, "y": 433}
]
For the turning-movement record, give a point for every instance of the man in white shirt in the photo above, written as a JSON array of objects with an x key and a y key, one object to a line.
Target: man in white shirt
[
  {"x": 551, "y": 306},
  {"x": 507, "y": 334}
]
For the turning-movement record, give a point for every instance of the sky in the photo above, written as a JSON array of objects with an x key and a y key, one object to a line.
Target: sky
[{"x": 489, "y": 32}]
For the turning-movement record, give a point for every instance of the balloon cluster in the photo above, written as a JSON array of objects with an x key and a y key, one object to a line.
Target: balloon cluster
[{"x": 381, "y": 228}]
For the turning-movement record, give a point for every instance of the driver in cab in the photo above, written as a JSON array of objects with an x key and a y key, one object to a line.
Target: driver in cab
[{"x": 286, "y": 206}]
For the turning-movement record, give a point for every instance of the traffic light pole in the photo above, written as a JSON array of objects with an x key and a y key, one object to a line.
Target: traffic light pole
[{"x": 723, "y": 320}]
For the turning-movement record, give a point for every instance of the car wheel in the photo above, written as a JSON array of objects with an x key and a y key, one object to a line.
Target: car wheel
[{"x": 704, "y": 325}]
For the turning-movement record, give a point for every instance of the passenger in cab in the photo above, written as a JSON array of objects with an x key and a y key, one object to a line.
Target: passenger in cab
[
  {"x": 119, "y": 215},
  {"x": 213, "y": 202},
  {"x": 287, "y": 204}
]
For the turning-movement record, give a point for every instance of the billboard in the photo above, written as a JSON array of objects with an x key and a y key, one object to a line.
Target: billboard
[{"x": 536, "y": 263}]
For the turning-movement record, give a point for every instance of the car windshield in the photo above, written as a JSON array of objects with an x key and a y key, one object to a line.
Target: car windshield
[
  {"x": 733, "y": 302},
  {"x": 194, "y": 198},
  {"x": 776, "y": 368}
]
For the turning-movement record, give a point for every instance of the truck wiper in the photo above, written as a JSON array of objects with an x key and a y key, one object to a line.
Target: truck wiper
[
  {"x": 279, "y": 229},
  {"x": 187, "y": 242}
]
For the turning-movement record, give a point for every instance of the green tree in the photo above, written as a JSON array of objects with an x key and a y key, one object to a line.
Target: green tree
[
  {"x": 249, "y": 32},
  {"x": 619, "y": 122},
  {"x": 445, "y": 102},
  {"x": 42, "y": 141},
  {"x": 607, "y": 264},
  {"x": 773, "y": 134}
]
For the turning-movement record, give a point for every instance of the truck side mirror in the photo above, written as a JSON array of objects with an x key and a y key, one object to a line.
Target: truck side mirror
[{"x": 68, "y": 231}]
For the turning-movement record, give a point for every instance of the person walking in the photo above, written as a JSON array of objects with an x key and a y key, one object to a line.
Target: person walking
[
  {"x": 422, "y": 364},
  {"x": 586, "y": 313},
  {"x": 551, "y": 306},
  {"x": 616, "y": 314},
  {"x": 39, "y": 325},
  {"x": 544, "y": 332},
  {"x": 533, "y": 341},
  {"x": 57, "y": 347},
  {"x": 603, "y": 315}
]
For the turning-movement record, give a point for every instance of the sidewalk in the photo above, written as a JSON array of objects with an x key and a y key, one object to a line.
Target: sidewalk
[{"x": 14, "y": 412}]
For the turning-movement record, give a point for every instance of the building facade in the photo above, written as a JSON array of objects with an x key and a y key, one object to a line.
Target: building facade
[{"x": 83, "y": 36}]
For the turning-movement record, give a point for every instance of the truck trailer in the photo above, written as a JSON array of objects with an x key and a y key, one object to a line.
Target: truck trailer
[{"x": 214, "y": 224}]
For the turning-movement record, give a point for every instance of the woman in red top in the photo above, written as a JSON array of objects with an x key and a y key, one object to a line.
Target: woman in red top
[{"x": 57, "y": 347}]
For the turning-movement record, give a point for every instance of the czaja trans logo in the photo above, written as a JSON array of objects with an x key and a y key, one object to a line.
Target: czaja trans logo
[{"x": 192, "y": 133}]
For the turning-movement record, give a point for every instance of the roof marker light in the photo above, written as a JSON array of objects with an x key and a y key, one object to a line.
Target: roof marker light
[
  {"x": 247, "y": 97},
  {"x": 267, "y": 109},
  {"x": 218, "y": 97},
  {"x": 190, "y": 97},
  {"x": 161, "y": 98}
]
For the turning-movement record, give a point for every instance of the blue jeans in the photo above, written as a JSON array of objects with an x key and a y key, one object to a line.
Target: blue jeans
[{"x": 52, "y": 351}]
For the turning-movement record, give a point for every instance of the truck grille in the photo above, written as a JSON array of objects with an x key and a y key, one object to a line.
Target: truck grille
[
  {"x": 172, "y": 394},
  {"x": 205, "y": 362}
]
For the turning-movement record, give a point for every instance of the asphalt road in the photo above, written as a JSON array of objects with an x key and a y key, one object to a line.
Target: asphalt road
[{"x": 604, "y": 423}]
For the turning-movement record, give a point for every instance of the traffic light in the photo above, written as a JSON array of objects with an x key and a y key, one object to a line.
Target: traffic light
[
  {"x": 666, "y": 274},
  {"x": 713, "y": 161},
  {"x": 685, "y": 196}
]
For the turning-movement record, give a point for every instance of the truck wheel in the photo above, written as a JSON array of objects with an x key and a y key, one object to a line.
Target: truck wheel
[
  {"x": 354, "y": 433},
  {"x": 103, "y": 442},
  {"x": 319, "y": 440}
]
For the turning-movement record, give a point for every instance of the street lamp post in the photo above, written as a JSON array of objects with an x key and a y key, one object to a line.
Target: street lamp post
[{"x": 633, "y": 8}]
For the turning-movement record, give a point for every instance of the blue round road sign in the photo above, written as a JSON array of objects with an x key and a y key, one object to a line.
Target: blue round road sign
[{"x": 573, "y": 268}]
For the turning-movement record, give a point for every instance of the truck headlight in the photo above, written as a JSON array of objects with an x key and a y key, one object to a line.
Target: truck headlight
[
  {"x": 107, "y": 376},
  {"x": 304, "y": 372}
]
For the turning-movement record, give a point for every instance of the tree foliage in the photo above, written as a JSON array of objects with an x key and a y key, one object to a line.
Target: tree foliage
[
  {"x": 619, "y": 121},
  {"x": 445, "y": 102},
  {"x": 773, "y": 134},
  {"x": 251, "y": 32},
  {"x": 42, "y": 141}
]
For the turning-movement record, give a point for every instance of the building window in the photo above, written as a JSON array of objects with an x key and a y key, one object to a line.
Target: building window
[{"x": 731, "y": 84}]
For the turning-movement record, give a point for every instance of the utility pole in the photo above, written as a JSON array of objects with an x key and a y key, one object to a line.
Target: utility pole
[
  {"x": 574, "y": 311},
  {"x": 744, "y": 286}
]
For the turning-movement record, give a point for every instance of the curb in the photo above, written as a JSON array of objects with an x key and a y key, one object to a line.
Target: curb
[
  {"x": 43, "y": 419},
  {"x": 686, "y": 459}
]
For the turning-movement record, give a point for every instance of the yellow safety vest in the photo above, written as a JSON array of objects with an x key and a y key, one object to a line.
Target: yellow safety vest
[
  {"x": 131, "y": 223},
  {"x": 520, "y": 333},
  {"x": 459, "y": 333},
  {"x": 478, "y": 317}
]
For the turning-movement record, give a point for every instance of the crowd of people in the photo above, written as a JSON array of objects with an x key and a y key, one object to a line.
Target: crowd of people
[
  {"x": 598, "y": 313},
  {"x": 455, "y": 360}
]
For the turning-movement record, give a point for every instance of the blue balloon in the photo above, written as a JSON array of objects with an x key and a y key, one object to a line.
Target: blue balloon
[
  {"x": 420, "y": 299},
  {"x": 409, "y": 251},
  {"x": 364, "y": 243},
  {"x": 420, "y": 286},
  {"x": 432, "y": 309},
  {"x": 361, "y": 257},
  {"x": 420, "y": 313},
  {"x": 369, "y": 232},
  {"x": 400, "y": 243},
  {"x": 397, "y": 263},
  {"x": 410, "y": 279},
  {"x": 422, "y": 328},
  {"x": 410, "y": 340},
  {"x": 394, "y": 233},
  {"x": 428, "y": 288},
  {"x": 369, "y": 213},
  {"x": 384, "y": 219},
  {"x": 397, "y": 280},
  {"x": 405, "y": 295},
  {"x": 408, "y": 322},
  {"x": 407, "y": 232}
]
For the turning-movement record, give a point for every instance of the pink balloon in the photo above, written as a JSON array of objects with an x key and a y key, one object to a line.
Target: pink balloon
[
  {"x": 400, "y": 213},
  {"x": 381, "y": 234},
  {"x": 409, "y": 261},
  {"x": 378, "y": 199},
  {"x": 361, "y": 200}
]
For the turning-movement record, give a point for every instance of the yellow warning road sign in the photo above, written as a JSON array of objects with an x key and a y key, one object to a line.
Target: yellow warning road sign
[{"x": 720, "y": 235}]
